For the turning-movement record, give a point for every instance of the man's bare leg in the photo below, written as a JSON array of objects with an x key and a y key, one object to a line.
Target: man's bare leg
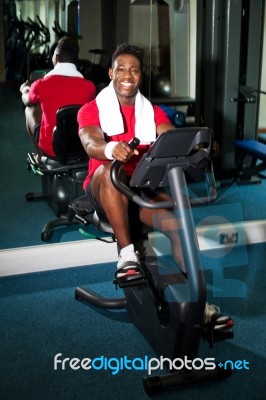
[
  {"x": 164, "y": 221},
  {"x": 33, "y": 117},
  {"x": 114, "y": 203}
]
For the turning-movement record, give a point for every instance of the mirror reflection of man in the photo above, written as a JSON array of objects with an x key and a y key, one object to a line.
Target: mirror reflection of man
[{"x": 63, "y": 85}]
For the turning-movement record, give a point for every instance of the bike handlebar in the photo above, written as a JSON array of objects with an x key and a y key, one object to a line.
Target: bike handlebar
[
  {"x": 127, "y": 191},
  {"x": 131, "y": 195}
]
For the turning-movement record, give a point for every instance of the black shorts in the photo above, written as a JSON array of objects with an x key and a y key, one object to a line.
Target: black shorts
[
  {"x": 100, "y": 212},
  {"x": 36, "y": 137},
  {"x": 133, "y": 208}
]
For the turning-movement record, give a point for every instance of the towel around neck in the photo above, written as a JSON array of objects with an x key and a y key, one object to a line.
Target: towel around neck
[{"x": 111, "y": 119}]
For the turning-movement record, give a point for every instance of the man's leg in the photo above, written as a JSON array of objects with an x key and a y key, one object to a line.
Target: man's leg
[
  {"x": 33, "y": 117},
  {"x": 115, "y": 206},
  {"x": 164, "y": 221}
]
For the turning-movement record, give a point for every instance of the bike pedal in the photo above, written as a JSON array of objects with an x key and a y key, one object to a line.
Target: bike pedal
[{"x": 131, "y": 281}]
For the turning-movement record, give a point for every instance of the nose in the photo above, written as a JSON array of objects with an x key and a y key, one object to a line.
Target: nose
[{"x": 127, "y": 73}]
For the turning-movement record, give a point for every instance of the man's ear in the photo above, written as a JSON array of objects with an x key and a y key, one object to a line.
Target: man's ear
[
  {"x": 110, "y": 73},
  {"x": 56, "y": 59}
]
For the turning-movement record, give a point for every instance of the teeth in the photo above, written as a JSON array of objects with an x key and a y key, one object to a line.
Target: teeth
[{"x": 126, "y": 84}]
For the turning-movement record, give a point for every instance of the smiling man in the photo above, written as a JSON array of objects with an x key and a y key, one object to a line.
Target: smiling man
[{"x": 118, "y": 114}]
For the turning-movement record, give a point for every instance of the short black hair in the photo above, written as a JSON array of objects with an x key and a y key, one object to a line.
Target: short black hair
[
  {"x": 68, "y": 49},
  {"x": 125, "y": 48}
]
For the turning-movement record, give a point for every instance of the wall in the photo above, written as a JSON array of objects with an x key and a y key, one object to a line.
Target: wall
[{"x": 262, "y": 112}]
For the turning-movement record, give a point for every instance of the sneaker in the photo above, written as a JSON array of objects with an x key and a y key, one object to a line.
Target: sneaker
[
  {"x": 213, "y": 316},
  {"x": 216, "y": 326},
  {"x": 128, "y": 265}
]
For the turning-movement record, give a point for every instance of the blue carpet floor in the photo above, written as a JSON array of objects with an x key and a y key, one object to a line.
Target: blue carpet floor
[{"x": 40, "y": 318}]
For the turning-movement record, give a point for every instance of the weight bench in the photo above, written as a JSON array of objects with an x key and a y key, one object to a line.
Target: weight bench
[{"x": 251, "y": 161}]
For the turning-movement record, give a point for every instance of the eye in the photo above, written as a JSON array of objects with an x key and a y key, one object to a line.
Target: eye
[{"x": 135, "y": 71}]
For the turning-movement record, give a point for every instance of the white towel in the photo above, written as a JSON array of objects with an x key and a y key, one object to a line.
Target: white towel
[
  {"x": 111, "y": 119},
  {"x": 66, "y": 69}
]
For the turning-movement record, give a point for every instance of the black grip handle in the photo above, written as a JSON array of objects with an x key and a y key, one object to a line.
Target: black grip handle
[
  {"x": 114, "y": 172},
  {"x": 134, "y": 143}
]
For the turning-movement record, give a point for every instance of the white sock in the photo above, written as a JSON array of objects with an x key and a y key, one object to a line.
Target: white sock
[{"x": 127, "y": 250}]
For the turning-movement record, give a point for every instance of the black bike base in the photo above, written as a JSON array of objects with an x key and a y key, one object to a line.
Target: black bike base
[
  {"x": 93, "y": 298},
  {"x": 131, "y": 281},
  {"x": 213, "y": 335},
  {"x": 158, "y": 383}
]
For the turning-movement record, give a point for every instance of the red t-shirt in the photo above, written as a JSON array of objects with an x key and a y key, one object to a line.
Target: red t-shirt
[
  {"x": 54, "y": 92},
  {"x": 89, "y": 115}
]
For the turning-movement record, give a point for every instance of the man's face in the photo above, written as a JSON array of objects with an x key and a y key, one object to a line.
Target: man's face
[{"x": 126, "y": 76}]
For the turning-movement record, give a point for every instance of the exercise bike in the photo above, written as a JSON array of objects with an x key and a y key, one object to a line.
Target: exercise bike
[{"x": 167, "y": 307}]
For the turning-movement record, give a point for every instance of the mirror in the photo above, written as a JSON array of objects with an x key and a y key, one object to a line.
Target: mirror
[
  {"x": 117, "y": 17},
  {"x": 165, "y": 29}
]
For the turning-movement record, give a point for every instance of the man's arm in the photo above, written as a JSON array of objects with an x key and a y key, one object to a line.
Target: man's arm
[
  {"x": 92, "y": 139},
  {"x": 25, "y": 89},
  {"x": 93, "y": 142}
]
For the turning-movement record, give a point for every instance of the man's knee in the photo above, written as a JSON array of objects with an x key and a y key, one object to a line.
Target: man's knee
[
  {"x": 33, "y": 114},
  {"x": 103, "y": 174},
  {"x": 101, "y": 183}
]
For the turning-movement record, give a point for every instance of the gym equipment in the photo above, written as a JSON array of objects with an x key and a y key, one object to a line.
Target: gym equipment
[
  {"x": 166, "y": 307},
  {"x": 21, "y": 40},
  {"x": 94, "y": 70},
  {"x": 61, "y": 176},
  {"x": 233, "y": 114},
  {"x": 177, "y": 118},
  {"x": 161, "y": 85},
  {"x": 256, "y": 152}
]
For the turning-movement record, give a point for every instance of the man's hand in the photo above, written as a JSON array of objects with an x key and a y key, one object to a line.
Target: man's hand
[
  {"x": 122, "y": 152},
  {"x": 25, "y": 87}
]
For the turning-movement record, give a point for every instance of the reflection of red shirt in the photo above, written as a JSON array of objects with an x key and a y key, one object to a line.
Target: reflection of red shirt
[
  {"x": 89, "y": 115},
  {"x": 54, "y": 92}
]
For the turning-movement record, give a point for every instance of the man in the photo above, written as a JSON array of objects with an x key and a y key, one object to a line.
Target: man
[
  {"x": 62, "y": 86},
  {"x": 125, "y": 75},
  {"x": 107, "y": 124}
]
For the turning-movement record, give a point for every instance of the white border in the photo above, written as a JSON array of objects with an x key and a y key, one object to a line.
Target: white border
[
  {"x": 90, "y": 252},
  {"x": 56, "y": 256}
]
